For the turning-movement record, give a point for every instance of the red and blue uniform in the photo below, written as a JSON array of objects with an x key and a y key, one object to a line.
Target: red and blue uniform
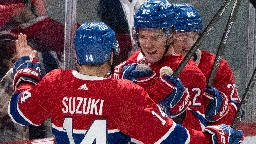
[
  {"x": 76, "y": 103},
  {"x": 223, "y": 81},
  {"x": 191, "y": 77}
]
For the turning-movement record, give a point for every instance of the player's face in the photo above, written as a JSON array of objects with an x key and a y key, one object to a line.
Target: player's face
[
  {"x": 152, "y": 43},
  {"x": 183, "y": 41}
]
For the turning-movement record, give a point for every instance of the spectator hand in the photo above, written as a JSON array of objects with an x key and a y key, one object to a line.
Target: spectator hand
[{"x": 22, "y": 48}]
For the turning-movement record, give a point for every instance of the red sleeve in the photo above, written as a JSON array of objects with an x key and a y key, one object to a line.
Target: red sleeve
[
  {"x": 35, "y": 102},
  {"x": 224, "y": 81},
  {"x": 151, "y": 125},
  {"x": 229, "y": 117},
  {"x": 133, "y": 57},
  {"x": 195, "y": 81}
]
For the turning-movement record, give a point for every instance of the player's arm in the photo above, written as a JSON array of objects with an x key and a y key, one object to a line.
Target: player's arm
[
  {"x": 144, "y": 121},
  {"x": 193, "y": 78},
  {"x": 166, "y": 90},
  {"x": 23, "y": 108},
  {"x": 117, "y": 71},
  {"x": 26, "y": 76},
  {"x": 224, "y": 84},
  {"x": 30, "y": 104}
]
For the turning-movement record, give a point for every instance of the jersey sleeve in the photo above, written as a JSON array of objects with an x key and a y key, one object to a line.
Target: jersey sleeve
[
  {"x": 229, "y": 117},
  {"x": 224, "y": 82},
  {"x": 142, "y": 119},
  {"x": 195, "y": 81},
  {"x": 31, "y": 105}
]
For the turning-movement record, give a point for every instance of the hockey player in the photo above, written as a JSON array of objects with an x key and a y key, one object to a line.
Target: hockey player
[
  {"x": 86, "y": 107},
  {"x": 152, "y": 23},
  {"x": 224, "y": 96}
]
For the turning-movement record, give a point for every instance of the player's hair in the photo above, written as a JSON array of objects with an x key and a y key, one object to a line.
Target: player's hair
[
  {"x": 187, "y": 19},
  {"x": 94, "y": 43},
  {"x": 156, "y": 14}
]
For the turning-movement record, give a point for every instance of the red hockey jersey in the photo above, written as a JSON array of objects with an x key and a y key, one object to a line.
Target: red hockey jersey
[
  {"x": 223, "y": 81},
  {"x": 191, "y": 77},
  {"x": 86, "y": 108}
]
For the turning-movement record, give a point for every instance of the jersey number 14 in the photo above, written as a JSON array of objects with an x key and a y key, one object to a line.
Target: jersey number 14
[{"x": 98, "y": 131}]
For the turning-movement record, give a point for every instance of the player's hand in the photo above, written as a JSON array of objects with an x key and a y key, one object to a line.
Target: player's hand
[
  {"x": 25, "y": 70},
  {"x": 224, "y": 134},
  {"x": 137, "y": 72},
  {"x": 178, "y": 100},
  {"x": 22, "y": 47},
  {"x": 218, "y": 105}
]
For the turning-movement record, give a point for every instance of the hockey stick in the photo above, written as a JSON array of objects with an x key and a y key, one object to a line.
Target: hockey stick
[
  {"x": 250, "y": 85},
  {"x": 222, "y": 45},
  {"x": 200, "y": 39}
]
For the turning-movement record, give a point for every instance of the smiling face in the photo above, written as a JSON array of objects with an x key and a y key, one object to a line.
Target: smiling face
[
  {"x": 152, "y": 43},
  {"x": 183, "y": 41}
]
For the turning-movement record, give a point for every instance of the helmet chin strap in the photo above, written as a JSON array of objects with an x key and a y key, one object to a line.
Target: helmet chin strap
[
  {"x": 167, "y": 46},
  {"x": 112, "y": 58}
]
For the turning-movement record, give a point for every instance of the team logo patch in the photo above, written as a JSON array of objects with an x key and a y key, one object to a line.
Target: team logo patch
[
  {"x": 25, "y": 96},
  {"x": 83, "y": 87}
]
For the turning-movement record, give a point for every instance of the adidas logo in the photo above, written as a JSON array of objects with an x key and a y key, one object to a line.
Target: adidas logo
[{"x": 83, "y": 87}]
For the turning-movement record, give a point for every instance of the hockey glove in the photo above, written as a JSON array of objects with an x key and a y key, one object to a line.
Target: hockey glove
[
  {"x": 218, "y": 105},
  {"x": 137, "y": 72},
  {"x": 178, "y": 100},
  {"x": 223, "y": 134},
  {"x": 26, "y": 71}
]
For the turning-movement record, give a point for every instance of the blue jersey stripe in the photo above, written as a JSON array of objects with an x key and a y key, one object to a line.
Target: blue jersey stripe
[
  {"x": 179, "y": 135},
  {"x": 14, "y": 110},
  {"x": 112, "y": 138}
]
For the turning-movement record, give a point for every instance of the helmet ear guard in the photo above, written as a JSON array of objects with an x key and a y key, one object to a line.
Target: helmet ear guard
[{"x": 94, "y": 43}]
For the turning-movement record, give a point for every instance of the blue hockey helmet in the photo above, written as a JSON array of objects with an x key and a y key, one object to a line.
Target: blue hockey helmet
[
  {"x": 94, "y": 42},
  {"x": 154, "y": 14},
  {"x": 187, "y": 19}
]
